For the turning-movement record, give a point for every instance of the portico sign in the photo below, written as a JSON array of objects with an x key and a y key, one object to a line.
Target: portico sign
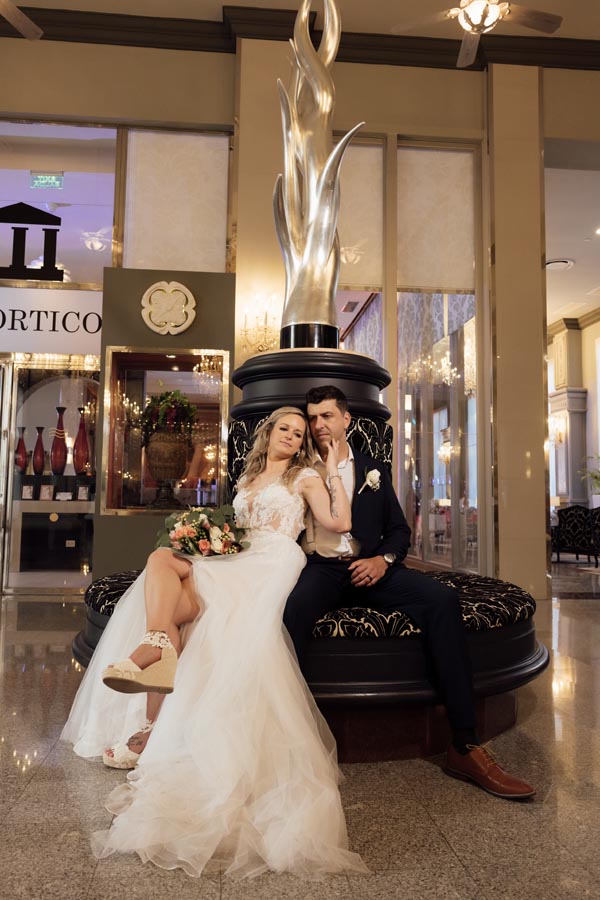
[{"x": 39, "y": 320}]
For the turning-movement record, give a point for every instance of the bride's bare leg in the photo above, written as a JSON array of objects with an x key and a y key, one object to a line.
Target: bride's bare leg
[
  {"x": 170, "y": 602},
  {"x": 137, "y": 742}
]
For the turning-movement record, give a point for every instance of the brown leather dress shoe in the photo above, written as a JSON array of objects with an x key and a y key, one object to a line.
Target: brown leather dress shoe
[{"x": 480, "y": 767}]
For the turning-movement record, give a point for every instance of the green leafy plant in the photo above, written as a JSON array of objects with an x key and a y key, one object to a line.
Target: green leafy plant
[
  {"x": 592, "y": 475},
  {"x": 170, "y": 412}
]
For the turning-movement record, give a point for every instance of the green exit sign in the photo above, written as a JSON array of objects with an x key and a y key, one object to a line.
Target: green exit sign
[{"x": 46, "y": 180}]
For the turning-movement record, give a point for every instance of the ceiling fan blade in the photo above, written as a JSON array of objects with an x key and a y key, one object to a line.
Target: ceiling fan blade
[
  {"x": 468, "y": 50},
  {"x": 20, "y": 21},
  {"x": 532, "y": 18},
  {"x": 443, "y": 16}
]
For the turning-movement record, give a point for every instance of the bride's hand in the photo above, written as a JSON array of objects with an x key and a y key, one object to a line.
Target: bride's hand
[{"x": 333, "y": 457}]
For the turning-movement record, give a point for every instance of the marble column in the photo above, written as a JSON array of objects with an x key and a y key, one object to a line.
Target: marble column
[
  {"x": 518, "y": 325},
  {"x": 568, "y": 412}
]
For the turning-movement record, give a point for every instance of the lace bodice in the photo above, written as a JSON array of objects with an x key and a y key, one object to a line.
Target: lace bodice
[{"x": 273, "y": 507}]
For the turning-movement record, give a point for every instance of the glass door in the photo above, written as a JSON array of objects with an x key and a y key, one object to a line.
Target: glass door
[{"x": 49, "y": 440}]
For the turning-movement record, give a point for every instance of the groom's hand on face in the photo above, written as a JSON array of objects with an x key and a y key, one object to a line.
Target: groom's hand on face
[{"x": 367, "y": 572}]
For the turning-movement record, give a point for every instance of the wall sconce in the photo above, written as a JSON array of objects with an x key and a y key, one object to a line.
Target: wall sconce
[
  {"x": 263, "y": 335},
  {"x": 557, "y": 429}
]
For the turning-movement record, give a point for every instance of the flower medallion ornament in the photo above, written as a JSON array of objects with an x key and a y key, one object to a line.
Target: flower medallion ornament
[
  {"x": 168, "y": 307},
  {"x": 372, "y": 480}
]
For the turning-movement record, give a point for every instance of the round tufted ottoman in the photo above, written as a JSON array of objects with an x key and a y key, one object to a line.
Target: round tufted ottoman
[{"x": 369, "y": 674}]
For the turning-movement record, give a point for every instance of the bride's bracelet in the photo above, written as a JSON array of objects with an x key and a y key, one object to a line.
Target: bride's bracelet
[{"x": 330, "y": 479}]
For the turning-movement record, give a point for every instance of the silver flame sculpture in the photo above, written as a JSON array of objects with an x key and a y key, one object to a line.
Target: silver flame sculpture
[{"x": 307, "y": 196}]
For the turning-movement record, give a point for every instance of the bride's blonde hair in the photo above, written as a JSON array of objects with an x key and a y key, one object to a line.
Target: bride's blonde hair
[{"x": 256, "y": 460}]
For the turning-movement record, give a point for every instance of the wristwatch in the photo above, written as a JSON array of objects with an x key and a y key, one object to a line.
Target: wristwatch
[{"x": 390, "y": 558}]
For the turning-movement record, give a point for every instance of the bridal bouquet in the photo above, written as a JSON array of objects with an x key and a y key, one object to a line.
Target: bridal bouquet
[{"x": 202, "y": 531}]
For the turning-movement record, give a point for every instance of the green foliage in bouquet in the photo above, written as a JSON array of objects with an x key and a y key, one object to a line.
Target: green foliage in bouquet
[
  {"x": 170, "y": 411},
  {"x": 202, "y": 531}
]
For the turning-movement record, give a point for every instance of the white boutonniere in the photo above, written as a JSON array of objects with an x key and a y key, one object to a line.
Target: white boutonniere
[{"x": 372, "y": 480}]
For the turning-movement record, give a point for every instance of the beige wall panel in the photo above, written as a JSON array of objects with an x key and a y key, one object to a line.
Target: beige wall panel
[
  {"x": 260, "y": 278},
  {"x": 571, "y": 103},
  {"x": 518, "y": 285},
  {"x": 95, "y": 82},
  {"x": 410, "y": 101}
]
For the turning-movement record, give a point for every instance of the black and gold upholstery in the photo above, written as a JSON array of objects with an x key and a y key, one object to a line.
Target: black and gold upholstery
[
  {"x": 578, "y": 531},
  {"x": 486, "y": 603},
  {"x": 363, "y": 655}
]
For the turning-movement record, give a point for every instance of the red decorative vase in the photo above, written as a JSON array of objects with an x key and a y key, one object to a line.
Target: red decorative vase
[
  {"x": 58, "y": 451},
  {"x": 81, "y": 447},
  {"x": 21, "y": 452},
  {"x": 38, "y": 452}
]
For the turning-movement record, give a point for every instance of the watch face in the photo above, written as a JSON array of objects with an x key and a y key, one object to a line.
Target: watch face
[{"x": 390, "y": 558}]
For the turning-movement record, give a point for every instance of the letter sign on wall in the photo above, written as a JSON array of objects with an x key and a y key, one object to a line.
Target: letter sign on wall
[{"x": 42, "y": 320}]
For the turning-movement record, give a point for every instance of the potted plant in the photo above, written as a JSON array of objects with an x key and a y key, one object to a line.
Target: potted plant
[
  {"x": 593, "y": 476},
  {"x": 166, "y": 424}
]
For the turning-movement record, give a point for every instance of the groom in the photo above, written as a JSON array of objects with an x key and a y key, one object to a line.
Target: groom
[{"x": 366, "y": 566}]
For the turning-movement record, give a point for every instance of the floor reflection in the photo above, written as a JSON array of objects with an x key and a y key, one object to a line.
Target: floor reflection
[{"x": 423, "y": 835}]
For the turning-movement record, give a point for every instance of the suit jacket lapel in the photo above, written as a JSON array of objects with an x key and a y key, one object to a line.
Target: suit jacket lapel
[{"x": 360, "y": 463}]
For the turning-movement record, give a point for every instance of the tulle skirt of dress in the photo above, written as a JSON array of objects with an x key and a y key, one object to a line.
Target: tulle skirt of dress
[{"x": 241, "y": 767}]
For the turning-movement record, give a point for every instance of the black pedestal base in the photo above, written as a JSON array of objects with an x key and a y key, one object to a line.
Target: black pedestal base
[
  {"x": 379, "y": 733},
  {"x": 283, "y": 377}
]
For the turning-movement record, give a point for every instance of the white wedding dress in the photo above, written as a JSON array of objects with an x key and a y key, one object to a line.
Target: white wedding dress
[{"x": 241, "y": 767}]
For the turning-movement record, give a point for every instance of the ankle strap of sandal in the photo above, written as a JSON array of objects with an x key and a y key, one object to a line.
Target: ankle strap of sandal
[{"x": 157, "y": 639}]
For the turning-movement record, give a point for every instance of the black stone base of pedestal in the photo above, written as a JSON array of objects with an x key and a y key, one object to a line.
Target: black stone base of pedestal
[
  {"x": 284, "y": 376},
  {"x": 309, "y": 335},
  {"x": 381, "y": 733}
]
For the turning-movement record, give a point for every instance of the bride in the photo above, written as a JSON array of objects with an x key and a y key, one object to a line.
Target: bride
[{"x": 240, "y": 766}]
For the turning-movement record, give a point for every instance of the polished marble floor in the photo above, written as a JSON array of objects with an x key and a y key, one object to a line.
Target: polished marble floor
[{"x": 424, "y": 836}]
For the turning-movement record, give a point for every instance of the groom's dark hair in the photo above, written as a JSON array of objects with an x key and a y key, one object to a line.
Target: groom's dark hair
[{"x": 328, "y": 392}]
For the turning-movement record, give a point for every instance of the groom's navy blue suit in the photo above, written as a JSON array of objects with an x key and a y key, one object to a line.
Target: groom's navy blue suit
[{"x": 380, "y": 526}]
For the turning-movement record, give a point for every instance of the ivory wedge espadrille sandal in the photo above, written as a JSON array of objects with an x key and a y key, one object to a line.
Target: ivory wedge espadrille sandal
[
  {"x": 121, "y": 756},
  {"x": 127, "y": 677}
]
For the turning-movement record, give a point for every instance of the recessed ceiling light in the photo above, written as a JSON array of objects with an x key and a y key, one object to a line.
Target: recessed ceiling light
[
  {"x": 597, "y": 230},
  {"x": 560, "y": 265}
]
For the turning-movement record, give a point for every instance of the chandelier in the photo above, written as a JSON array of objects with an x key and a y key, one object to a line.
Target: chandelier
[
  {"x": 426, "y": 368},
  {"x": 208, "y": 374}
]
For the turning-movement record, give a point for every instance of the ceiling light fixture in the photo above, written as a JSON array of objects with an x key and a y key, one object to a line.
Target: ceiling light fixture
[
  {"x": 560, "y": 265},
  {"x": 478, "y": 16},
  {"x": 97, "y": 241}
]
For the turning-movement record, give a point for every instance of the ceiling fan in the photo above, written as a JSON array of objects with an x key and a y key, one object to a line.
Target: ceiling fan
[
  {"x": 19, "y": 20},
  {"x": 477, "y": 17}
]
